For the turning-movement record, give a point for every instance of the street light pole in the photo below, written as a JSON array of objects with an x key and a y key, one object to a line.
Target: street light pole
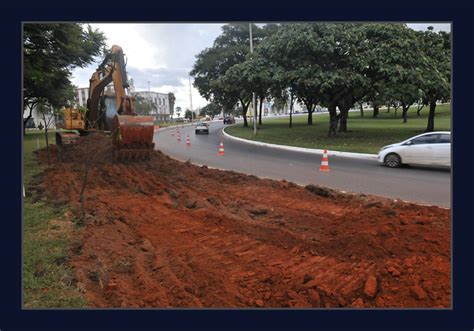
[
  {"x": 254, "y": 105},
  {"x": 149, "y": 97},
  {"x": 191, "y": 99}
]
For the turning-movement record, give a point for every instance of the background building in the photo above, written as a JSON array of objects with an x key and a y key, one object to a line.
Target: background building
[
  {"x": 37, "y": 120},
  {"x": 159, "y": 102},
  {"x": 82, "y": 93}
]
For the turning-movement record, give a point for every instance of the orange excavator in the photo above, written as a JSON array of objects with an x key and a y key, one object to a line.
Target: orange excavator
[{"x": 132, "y": 134}]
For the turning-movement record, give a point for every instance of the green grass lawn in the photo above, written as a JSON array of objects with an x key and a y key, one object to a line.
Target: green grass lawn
[
  {"x": 47, "y": 280},
  {"x": 366, "y": 134}
]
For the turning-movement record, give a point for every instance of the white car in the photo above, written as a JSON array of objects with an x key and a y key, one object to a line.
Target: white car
[
  {"x": 432, "y": 148},
  {"x": 201, "y": 128}
]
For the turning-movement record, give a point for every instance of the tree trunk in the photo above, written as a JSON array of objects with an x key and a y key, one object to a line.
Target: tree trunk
[
  {"x": 291, "y": 110},
  {"x": 419, "y": 109},
  {"x": 361, "y": 110},
  {"x": 25, "y": 120},
  {"x": 431, "y": 115},
  {"x": 376, "y": 110},
  {"x": 404, "y": 112},
  {"x": 343, "y": 121},
  {"x": 260, "y": 111},
  {"x": 310, "y": 114},
  {"x": 333, "y": 119},
  {"x": 388, "y": 108},
  {"x": 244, "y": 114},
  {"x": 343, "y": 114},
  {"x": 46, "y": 138}
]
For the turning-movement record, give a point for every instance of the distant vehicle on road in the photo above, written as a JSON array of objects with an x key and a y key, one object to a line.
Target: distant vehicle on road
[
  {"x": 229, "y": 120},
  {"x": 432, "y": 148},
  {"x": 202, "y": 128}
]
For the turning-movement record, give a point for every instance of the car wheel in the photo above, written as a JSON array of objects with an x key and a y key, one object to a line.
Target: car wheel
[
  {"x": 393, "y": 160},
  {"x": 196, "y": 132}
]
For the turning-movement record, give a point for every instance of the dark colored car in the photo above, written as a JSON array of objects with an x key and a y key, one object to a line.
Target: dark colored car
[{"x": 229, "y": 120}]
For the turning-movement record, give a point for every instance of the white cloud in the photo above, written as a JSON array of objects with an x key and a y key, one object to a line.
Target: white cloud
[
  {"x": 436, "y": 26},
  {"x": 165, "y": 53},
  {"x": 160, "y": 53},
  {"x": 137, "y": 49}
]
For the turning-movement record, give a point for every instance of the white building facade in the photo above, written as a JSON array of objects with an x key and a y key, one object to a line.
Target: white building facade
[
  {"x": 159, "y": 103},
  {"x": 82, "y": 93},
  {"x": 37, "y": 119}
]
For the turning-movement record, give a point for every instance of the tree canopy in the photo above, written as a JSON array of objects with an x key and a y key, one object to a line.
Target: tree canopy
[
  {"x": 228, "y": 50},
  {"x": 50, "y": 52},
  {"x": 335, "y": 65},
  {"x": 211, "y": 109}
]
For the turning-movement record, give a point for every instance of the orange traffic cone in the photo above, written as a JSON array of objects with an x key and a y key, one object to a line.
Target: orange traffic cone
[
  {"x": 188, "y": 142},
  {"x": 324, "y": 163},
  {"x": 179, "y": 138},
  {"x": 221, "y": 149}
]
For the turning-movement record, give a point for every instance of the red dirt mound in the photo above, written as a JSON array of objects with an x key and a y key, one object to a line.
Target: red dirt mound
[{"x": 168, "y": 234}]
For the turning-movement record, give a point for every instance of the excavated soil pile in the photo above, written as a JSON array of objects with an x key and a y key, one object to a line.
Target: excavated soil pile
[{"x": 163, "y": 233}]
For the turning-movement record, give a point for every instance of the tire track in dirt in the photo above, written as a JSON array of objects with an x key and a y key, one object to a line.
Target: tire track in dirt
[{"x": 169, "y": 234}]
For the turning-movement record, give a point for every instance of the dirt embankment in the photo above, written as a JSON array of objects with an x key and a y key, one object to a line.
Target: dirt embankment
[{"x": 168, "y": 234}]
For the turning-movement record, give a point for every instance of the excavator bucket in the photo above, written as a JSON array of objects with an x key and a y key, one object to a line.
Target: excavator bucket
[{"x": 133, "y": 137}]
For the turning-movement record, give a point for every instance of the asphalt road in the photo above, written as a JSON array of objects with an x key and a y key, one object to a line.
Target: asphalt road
[{"x": 422, "y": 185}]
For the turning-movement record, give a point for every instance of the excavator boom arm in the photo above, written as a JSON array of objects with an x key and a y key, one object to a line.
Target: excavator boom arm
[
  {"x": 132, "y": 134},
  {"x": 113, "y": 70}
]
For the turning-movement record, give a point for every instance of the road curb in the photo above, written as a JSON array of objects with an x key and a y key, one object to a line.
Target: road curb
[
  {"x": 304, "y": 185},
  {"x": 303, "y": 149}
]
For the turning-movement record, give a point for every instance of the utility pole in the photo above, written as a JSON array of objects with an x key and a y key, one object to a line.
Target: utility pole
[
  {"x": 149, "y": 96},
  {"x": 254, "y": 104},
  {"x": 191, "y": 99}
]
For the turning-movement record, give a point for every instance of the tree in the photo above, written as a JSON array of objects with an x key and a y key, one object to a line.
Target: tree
[
  {"x": 404, "y": 94},
  {"x": 211, "y": 109},
  {"x": 293, "y": 60},
  {"x": 367, "y": 56},
  {"x": 143, "y": 106},
  {"x": 178, "y": 111},
  {"x": 236, "y": 86},
  {"x": 189, "y": 114},
  {"x": 50, "y": 52},
  {"x": 435, "y": 69},
  {"x": 229, "y": 48},
  {"x": 49, "y": 115},
  {"x": 421, "y": 102},
  {"x": 171, "y": 99},
  {"x": 250, "y": 76}
]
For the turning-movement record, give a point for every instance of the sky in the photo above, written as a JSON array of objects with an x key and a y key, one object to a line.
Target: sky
[{"x": 164, "y": 54}]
